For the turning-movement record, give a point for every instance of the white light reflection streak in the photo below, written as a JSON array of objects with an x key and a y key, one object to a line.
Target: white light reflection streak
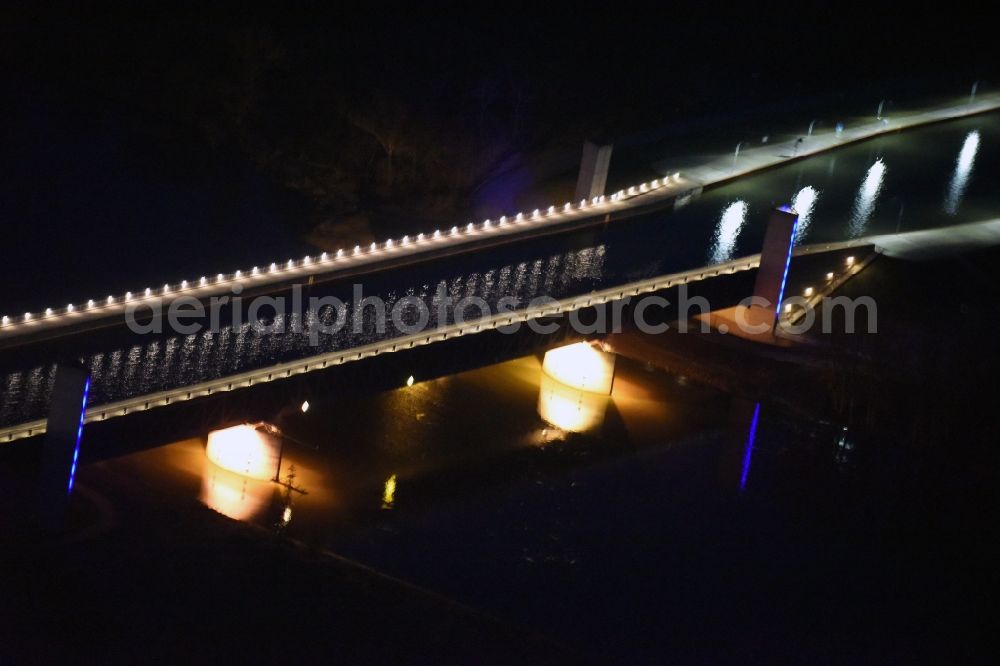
[
  {"x": 864, "y": 203},
  {"x": 727, "y": 231},
  {"x": 963, "y": 169},
  {"x": 803, "y": 203}
]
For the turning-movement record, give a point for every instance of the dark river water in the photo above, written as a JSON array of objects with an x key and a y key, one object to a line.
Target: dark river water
[
  {"x": 932, "y": 177},
  {"x": 667, "y": 521}
]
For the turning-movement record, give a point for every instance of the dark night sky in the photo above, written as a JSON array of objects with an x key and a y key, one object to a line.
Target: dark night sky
[{"x": 150, "y": 145}]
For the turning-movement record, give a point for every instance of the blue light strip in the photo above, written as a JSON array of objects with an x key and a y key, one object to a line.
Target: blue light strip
[
  {"x": 79, "y": 436},
  {"x": 749, "y": 451},
  {"x": 788, "y": 262}
]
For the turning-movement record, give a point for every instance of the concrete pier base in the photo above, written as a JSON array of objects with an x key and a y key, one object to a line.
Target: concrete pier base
[
  {"x": 61, "y": 450},
  {"x": 775, "y": 259},
  {"x": 757, "y": 321}
]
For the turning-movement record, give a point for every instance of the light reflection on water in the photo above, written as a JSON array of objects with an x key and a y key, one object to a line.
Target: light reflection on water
[
  {"x": 568, "y": 408},
  {"x": 963, "y": 169},
  {"x": 867, "y": 197},
  {"x": 803, "y": 203},
  {"x": 544, "y": 514},
  {"x": 726, "y": 232},
  {"x": 422, "y": 444},
  {"x": 463, "y": 479},
  {"x": 238, "y": 496},
  {"x": 358, "y": 466},
  {"x": 748, "y": 453},
  {"x": 389, "y": 492},
  {"x": 234, "y": 495}
]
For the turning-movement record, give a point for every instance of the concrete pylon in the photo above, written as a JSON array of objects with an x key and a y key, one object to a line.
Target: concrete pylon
[
  {"x": 594, "y": 165},
  {"x": 775, "y": 259},
  {"x": 61, "y": 448}
]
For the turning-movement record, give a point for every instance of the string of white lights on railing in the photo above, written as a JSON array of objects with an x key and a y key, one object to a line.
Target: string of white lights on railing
[{"x": 111, "y": 303}]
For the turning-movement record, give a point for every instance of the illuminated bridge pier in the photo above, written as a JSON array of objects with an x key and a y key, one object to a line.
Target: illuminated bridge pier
[{"x": 576, "y": 386}]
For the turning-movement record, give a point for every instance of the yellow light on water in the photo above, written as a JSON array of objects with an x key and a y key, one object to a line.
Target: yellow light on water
[
  {"x": 581, "y": 366},
  {"x": 244, "y": 449},
  {"x": 389, "y": 493},
  {"x": 233, "y": 495},
  {"x": 570, "y": 409}
]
